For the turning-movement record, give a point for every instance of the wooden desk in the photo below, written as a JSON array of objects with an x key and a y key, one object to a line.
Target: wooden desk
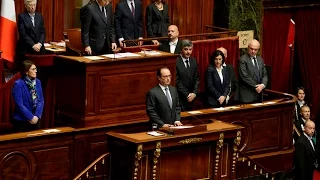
[
  {"x": 108, "y": 91},
  {"x": 267, "y": 136},
  {"x": 210, "y": 154},
  {"x": 37, "y": 155}
]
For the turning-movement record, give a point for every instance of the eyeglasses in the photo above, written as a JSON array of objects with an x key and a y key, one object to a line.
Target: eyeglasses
[
  {"x": 165, "y": 77},
  {"x": 33, "y": 69}
]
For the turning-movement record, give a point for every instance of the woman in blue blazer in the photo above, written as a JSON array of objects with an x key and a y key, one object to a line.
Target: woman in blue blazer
[
  {"x": 28, "y": 99},
  {"x": 217, "y": 80}
]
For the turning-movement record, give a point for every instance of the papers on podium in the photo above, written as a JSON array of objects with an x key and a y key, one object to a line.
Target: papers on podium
[{"x": 155, "y": 133}]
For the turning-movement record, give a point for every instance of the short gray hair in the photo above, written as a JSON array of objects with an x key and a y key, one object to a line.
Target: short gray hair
[
  {"x": 186, "y": 43},
  {"x": 26, "y": 2}
]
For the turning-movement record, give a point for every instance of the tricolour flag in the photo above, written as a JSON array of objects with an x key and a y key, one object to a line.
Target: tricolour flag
[{"x": 8, "y": 29}]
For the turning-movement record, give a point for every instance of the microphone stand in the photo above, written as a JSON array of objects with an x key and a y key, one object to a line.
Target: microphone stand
[{"x": 130, "y": 39}]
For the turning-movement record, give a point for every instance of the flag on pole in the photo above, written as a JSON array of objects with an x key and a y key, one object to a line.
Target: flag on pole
[{"x": 8, "y": 30}]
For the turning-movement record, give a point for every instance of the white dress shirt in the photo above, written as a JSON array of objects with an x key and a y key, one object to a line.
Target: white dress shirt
[
  {"x": 173, "y": 45},
  {"x": 220, "y": 73},
  {"x": 310, "y": 140}
]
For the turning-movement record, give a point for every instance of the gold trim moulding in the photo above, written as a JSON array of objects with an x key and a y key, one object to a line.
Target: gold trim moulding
[{"x": 190, "y": 141}]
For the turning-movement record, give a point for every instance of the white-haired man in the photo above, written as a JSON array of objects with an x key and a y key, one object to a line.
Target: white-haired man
[{"x": 31, "y": 30}]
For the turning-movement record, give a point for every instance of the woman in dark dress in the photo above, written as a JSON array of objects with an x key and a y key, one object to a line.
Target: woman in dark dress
[
  {"x": 217, "y": 80},
  {"x": 157, "y": 20}
]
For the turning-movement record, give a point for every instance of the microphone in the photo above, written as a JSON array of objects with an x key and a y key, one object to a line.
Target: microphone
[
  {"x": 192, "y": 115},
  {"x": 125, "y": 32},
  {"x": 154, "y": 126}
]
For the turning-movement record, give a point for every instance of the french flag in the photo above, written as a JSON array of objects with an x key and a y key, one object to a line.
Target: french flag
[{"x": 8, "y": 30}]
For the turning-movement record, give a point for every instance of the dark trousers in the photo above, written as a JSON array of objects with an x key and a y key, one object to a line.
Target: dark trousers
[{"x": 24, "y": 126}]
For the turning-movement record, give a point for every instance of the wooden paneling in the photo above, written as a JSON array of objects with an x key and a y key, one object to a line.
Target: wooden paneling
[
  {"x": 112, "y": 89},
  {"x": 189, "y": 15}
]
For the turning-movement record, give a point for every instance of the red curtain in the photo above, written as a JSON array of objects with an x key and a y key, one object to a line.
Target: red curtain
[
  {"x": 276, "y": 25},
  {"x": 203, "y": 49},
  {"x": 307, "y": 45}
]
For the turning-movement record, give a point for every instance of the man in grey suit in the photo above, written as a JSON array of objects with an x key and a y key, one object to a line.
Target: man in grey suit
[
  {"x": 252, "y": 75},
  {"x": 162, "y": 102}
]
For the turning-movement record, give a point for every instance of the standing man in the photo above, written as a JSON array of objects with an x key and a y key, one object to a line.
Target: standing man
[
  {"x": 162, "y": 102},
  {"x": 230, "y": 69},
  {"x": 97, "y": 31},
  {"x": 187, "y": 80},
  {"x": 31, "y": 31},
  {"x": 173, "y": 45},
  {"x": 306, "y": 153},
  {"x": 252, "y": 75},
  {"x": 128, "y": 20}
]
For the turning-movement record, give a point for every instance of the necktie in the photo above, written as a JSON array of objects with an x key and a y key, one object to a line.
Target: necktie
[
  {"x": 168, "y": 97},
  {"x": 256, "y": 68},
  {"x": 32, "y": 20},
  {"x": 132, "y": 9},
  {"x": 255, "y": 63},
  {"x": 103, "y": 11},
  {"x": 187, "y": 64}
]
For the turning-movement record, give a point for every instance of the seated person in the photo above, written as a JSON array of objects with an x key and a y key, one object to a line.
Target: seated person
[
  {"x": 299, "y": 103},
  {"x": 162, "y": 102},
  {"x": 31, "y": 31},
  {"x": 173, "y": 45},
  {"x": 217, "y": 80},
  {"x": 28, "y": 99},
  {"x": 306, "y": 153}
]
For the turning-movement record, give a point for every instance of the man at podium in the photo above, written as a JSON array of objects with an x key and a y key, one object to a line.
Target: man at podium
[{"x": 162, "y": 102}]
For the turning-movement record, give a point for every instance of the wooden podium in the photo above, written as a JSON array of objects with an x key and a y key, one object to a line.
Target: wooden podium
[
  {"x": 209, "y": 154},
  {"x": 108, "y": 91}
]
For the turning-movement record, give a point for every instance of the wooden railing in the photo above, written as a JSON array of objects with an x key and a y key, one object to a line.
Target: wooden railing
[
  {"x": 193, "y": 37},
  {"x": 99, "y": 169},
  {"x": 247, "y": 168}
]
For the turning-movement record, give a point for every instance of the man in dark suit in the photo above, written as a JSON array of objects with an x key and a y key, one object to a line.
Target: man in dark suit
[
  {"x": 173, "y": 45},
  {"x": 232, "y": 74},
  {"x": 306, "y": 153},
  {"x": 162, "y": 102},
  {"x": 187, "y": 72},
  {"x": 97, "y": 31},
  {"x": 252, "y": 75},
  {"x": 31, "y": 31},
  {"x": 128, "y": 21}
]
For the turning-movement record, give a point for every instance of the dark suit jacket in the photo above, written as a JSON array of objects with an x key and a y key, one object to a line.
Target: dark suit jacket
[
  {"x": 233, "y": 78},
  {"x": 23, "y": 101},
  {"x": 97, "y": 31},
  {"x": 30, "y": 35},
  {"x": 214, "y": 88},
  {"x": 166, "y": 47},
  {"x": 158, "y": 108},
  {"x": 187, "y": 81},
  {"x": 127, "y": 25},
  {"x": 305, "y": 157},
  {"x": 157, "y": 22},
  {"x": 248, "y": 80}
]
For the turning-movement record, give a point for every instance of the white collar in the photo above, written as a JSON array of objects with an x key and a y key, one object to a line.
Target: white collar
[
  {"x": 163, "y": 87},
  {"x": 173, "y": 42}
]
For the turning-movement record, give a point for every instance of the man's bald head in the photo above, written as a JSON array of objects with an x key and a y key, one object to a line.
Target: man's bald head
[
  {"x": 223, "y": 50},
  {"x": 253, "y": 47},
  {"x": 173, "y": 32},
  {"x": 309, "y": 128}
]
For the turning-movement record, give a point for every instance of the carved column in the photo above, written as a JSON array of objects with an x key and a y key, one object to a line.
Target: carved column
[
  {"x": 235, "y": 151},
  {"x": 137, "y": 158},
  {"x": 218, "y": 151},
  {"x": 156, "y": 154}
]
